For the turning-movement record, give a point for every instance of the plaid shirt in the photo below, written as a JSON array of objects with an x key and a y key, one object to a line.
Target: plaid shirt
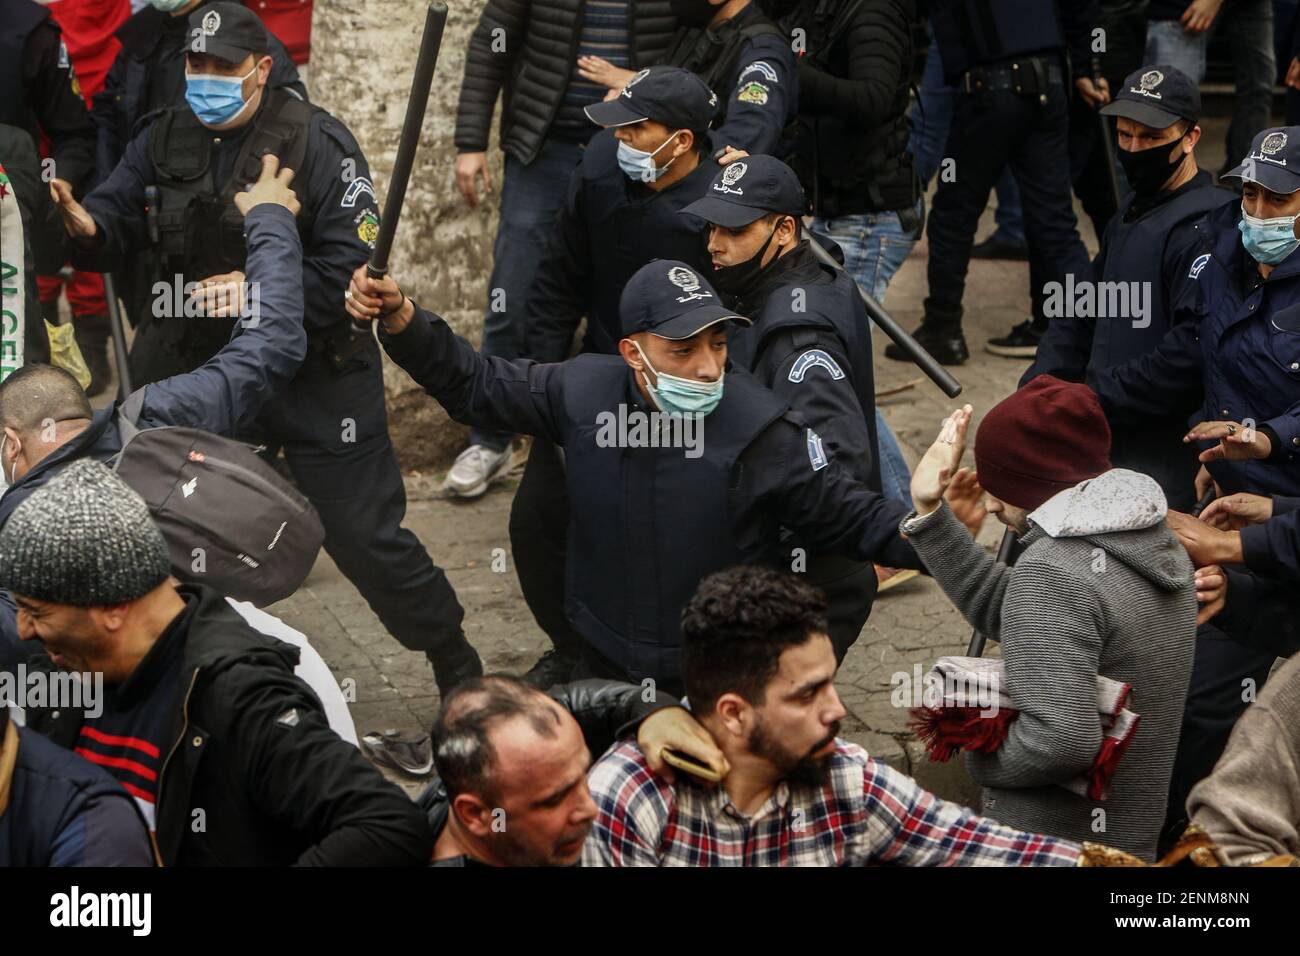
[{"x": 868, "y": 813}]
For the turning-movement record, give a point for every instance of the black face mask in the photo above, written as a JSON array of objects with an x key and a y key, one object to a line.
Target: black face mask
[
  {"x": 737, "y": 279},
  {"x": 693, "y": 13},
  {"x": 1148, "y": 169}
]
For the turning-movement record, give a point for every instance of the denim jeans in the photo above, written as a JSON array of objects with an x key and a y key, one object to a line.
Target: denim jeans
[
  {"x": 531, "y": 198},
  {"x": 931, "y": 117},
  {"x": 875, "y": 246},
  {"x": 1284, "y": 14},
  {"x": 1249, "y": 29},
  {"x": 1168, "y": 43}
]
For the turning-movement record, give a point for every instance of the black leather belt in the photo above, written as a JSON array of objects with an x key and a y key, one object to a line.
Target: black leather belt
[{"x": 1029, "y": 77}]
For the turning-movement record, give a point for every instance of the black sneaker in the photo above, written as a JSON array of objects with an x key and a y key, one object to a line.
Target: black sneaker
[
  {"x": 553, "y": 667},
  {"x": 996, "y": 248},
  {"x": 947, "y": 346},
  {"x": 454, "y": 664},
  {"x": 1021, "y": 342}
]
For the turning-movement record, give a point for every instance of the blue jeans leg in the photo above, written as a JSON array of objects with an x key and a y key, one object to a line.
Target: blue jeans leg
[
  {"x": 531, "y": 197},
  {"x": 1167, "y": 43},
  {"x": 930, "y": 117},
  {"x": 875, "y": 247},
  {"x": 1249, "y": 26}
]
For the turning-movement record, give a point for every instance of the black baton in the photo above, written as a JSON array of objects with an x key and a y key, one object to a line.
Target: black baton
[
  {"x": 1108, "y": 147},
  {"x": 1203, "y": 502},
  {"x": 119, "y": 337},
  {"x": 927, "y": 363},
  {"x": 434, "y": 23}
]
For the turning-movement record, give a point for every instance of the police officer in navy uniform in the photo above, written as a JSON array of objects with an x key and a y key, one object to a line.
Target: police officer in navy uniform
[
  {"x": 660, "y": 507},
  {"x": 148, "y": 75},
  {"x": 622, "y": 208},
  {"x": 650, "y": 161},
  {"x": 742, "y": 56},
  {"x": 1008, "y": 60},
  {"x": 331, "y": 420},
  {"x": 747, "y": 60},
  {"x": 1149, "y": 249},
  {"x": 808, "y": 343},
  {"x": 39, "y": 91},
  {"x": 147, "y": 78},
  {"x": 1244, "y": 359}
]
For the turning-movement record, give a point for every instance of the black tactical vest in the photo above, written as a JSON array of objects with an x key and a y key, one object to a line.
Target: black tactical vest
[
  {"x": 648, "y": 523},
  {"x": 200, "y": 231},
  {"x": 977, "y": 32},
  {"x": 712, "y": 55}
]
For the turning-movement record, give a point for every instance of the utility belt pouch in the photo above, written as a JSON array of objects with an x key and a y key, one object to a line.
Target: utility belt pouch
[{"x": 340, "y": 344}]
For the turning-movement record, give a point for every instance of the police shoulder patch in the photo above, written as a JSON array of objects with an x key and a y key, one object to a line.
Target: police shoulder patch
[
  {"x": 816, "y": 453},
  {"x": 754, "y": 92},
  {"x": 1197, "y": 265},
  {"x": 812, "y": 359},
  {"x": 762, "y": 67},
  {"x": 359, "y": 187}
]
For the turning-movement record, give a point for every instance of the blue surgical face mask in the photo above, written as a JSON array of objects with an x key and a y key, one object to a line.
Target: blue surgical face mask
[
  {"x": 639, "y": 165},
  {"x": 1268, "y": 240},
  {"x": 168, "y": 6},
  {"x": 682, "y": 395},
  {"x": 216, "y": 100}
]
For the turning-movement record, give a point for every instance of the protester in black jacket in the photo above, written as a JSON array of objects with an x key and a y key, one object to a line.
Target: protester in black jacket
[
  {"x": 508, "y": 755},
  {"x": 228, "y": 754},
  {"x": 531, "y": 50},
  {"x": 849, "y": 146}
]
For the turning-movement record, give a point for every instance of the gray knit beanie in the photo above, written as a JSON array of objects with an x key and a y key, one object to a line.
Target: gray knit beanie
[{"x": 85, "y": 538}]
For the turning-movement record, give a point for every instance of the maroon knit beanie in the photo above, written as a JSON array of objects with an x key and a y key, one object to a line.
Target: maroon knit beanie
[{"x": 1044, "y": 438}]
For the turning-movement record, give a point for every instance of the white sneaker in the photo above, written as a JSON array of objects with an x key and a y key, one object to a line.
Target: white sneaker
[{"x": 474, "y": 470}]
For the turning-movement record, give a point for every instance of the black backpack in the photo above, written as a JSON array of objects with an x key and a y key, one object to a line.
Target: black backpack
[{"x": 230, "y": 521}]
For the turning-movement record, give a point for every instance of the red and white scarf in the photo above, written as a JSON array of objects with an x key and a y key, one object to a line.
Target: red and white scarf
[{"x": 975, "y": 715}]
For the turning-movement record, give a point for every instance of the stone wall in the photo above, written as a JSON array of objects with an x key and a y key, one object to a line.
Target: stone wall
[{"x": 362, "y": 58}]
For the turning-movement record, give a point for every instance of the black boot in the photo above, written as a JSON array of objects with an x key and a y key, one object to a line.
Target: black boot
[
  {"x": 553, "y": 667},
  {"x": 92, "y": 337},
  {"x": 454, "y": 663},
  {"x": 945, "y": 343}
]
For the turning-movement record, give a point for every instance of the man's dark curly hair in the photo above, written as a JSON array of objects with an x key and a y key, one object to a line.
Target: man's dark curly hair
[{"x": 736, "y": 626}]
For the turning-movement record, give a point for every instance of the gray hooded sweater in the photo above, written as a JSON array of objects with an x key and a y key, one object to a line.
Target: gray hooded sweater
[{"x": 1102, "y": 586}]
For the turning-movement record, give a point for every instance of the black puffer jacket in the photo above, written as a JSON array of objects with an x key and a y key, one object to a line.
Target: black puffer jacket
[
  {"x": 538, "y": 58},
  {"x": 853, "y": 88}
]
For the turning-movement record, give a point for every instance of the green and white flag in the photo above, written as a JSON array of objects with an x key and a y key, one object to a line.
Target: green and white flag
[{"x": 13, "y": 295}]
